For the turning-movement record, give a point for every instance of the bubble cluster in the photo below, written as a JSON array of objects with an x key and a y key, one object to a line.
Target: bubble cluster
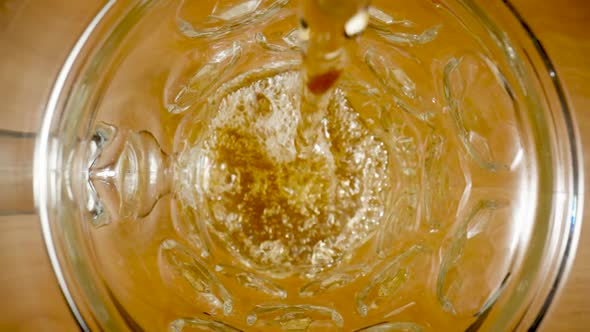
[{"x": 278, "y": 202}]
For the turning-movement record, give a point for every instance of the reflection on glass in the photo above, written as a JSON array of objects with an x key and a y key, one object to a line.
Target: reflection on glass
[{"x": 368, "y": 183}]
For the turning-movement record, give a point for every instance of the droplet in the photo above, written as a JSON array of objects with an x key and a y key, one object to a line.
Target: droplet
[{"x": 357, "y": 24}]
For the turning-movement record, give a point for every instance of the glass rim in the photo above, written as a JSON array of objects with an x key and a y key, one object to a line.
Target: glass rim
[
  {"x": 575, "y": 208},
  {"x": 42, "y": 163}
]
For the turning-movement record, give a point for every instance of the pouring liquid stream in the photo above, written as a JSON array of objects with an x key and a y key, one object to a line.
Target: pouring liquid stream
[{"x": 329, "y": 27}]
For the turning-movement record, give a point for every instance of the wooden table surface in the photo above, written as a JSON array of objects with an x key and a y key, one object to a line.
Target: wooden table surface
[{"x": 35, "y": 37}]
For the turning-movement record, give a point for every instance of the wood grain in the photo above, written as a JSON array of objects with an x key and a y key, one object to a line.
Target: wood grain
[
  {"x": 562, "y": 26},
  {"x": 35, "y": 36}
]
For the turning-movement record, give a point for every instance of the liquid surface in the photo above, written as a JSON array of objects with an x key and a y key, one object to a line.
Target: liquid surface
[{"x": 280, "y": 203}]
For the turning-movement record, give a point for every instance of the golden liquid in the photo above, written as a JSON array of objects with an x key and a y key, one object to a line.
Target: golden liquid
[
  {"x": 360, "y": 218},
  {"x": 279, "y": 203}
]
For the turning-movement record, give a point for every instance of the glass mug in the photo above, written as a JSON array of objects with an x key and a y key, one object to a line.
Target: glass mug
[{"x": 180, "y": 187}]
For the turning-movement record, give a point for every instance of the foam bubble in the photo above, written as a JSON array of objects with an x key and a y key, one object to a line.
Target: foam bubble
[{"x": 280, "y": 203}]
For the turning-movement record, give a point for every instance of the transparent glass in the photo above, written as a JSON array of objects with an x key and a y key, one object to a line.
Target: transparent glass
[{"x": 453, "y": 161}]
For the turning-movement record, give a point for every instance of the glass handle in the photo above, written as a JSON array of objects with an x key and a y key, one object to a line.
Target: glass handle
[
  {"x": 16, "y": 172},
  {"x": 127, "y": 174}
]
